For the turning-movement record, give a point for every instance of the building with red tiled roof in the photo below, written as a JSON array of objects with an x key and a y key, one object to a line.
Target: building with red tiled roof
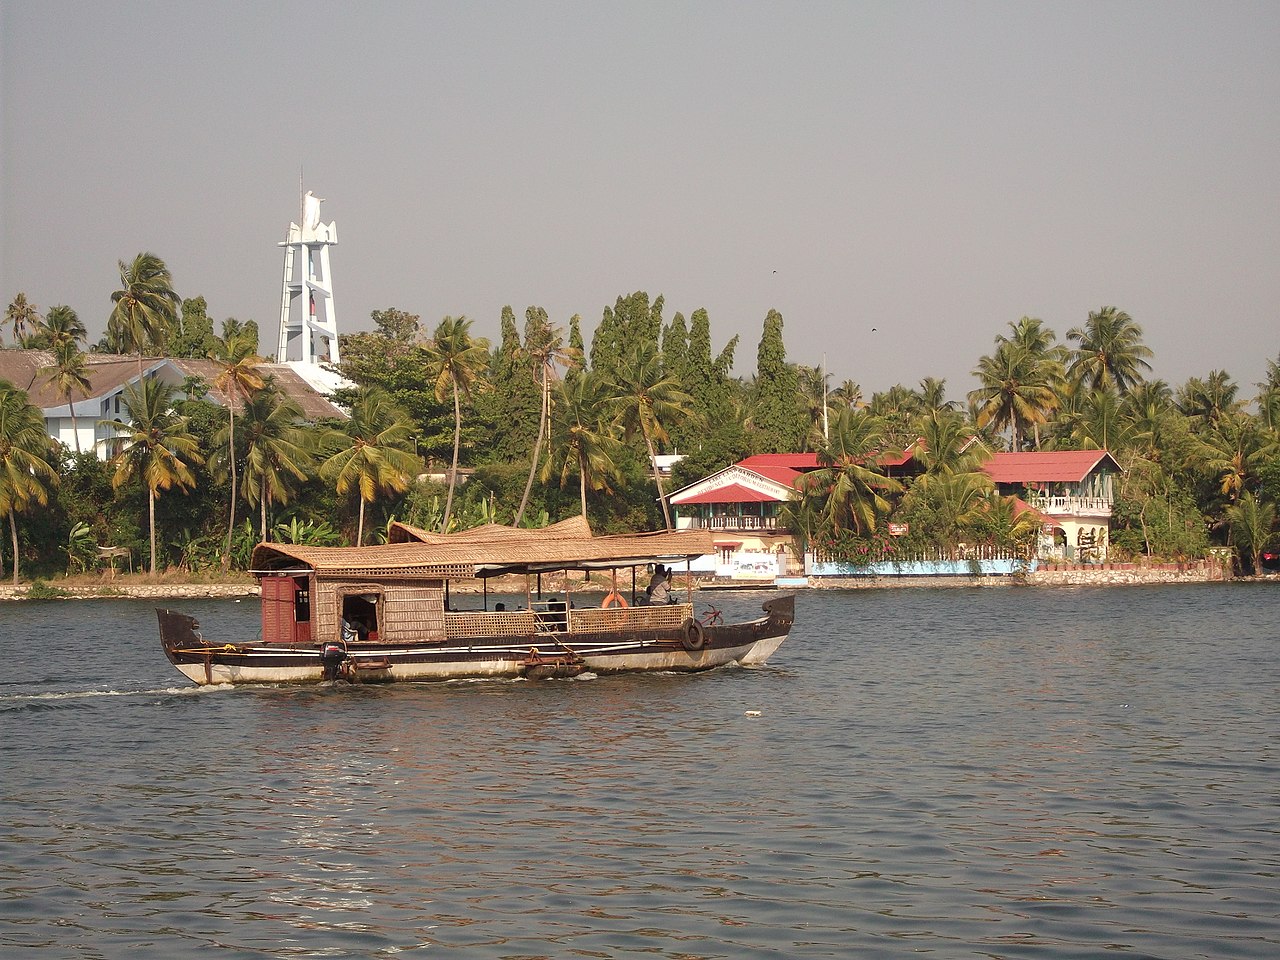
[
  {"x": 1073, "y": 488},
  {"x": 110, "y": 374},
  {"x": 1070, "y": 492},
  {"x": 742, "y": 506}
]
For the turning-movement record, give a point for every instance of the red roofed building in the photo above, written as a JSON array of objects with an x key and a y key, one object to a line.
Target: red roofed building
[
  {"x": 1073, "y": 488},
  {"x": 742, "y": 506}
]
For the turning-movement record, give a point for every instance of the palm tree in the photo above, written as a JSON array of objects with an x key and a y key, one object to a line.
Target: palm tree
[
  {"x": 848, "y": 394},
  {"x": 582, "y": 435},
  {"x": 854, "y": 488},
  {"x": 1211, "y": 399},
  {"x": 145, "y": 306},
  {"x": 1016, "y": 391},
  {"x": 642, "y": 398},
  {"x": 1099, "y": 422},
  {"x": 932, "y": 395},
  {"x": 277, "y": 449},
  {"x": 21, "y": 316},
  {"x": 947, "y": 446},
  {"x": 68, "y": 374},
  {"x": 62, "y": 325},
  {"x": 1012, "y": 528},
  {"x": 544, "y": 347},
  {"x": 237, "y": 378},
  {"x": 1232, "y": 452},
  {"x": 156, "y": 444},
  {"x": 1269, "y": 396},
  {"x": 1111, "y": 354},
  {"x": 813, "y": 397},
  {"x": 374, "y": 452},
  {"x": 456, "y": 362},
  {"x": 25, "y": 452},
  {"x": 1252, "y": 524}
]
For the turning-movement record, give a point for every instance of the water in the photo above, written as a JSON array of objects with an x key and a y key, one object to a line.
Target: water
[{"x": 955, "y": 773}]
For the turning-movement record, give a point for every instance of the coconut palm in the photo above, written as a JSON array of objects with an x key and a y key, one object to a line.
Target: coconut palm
[
  {"x": 456, "y": 363},
  {"x": 1210, "y": 399},
  {"x": 853, "y": 488},
  {"x": 932, "y": 395},
  {"x": 145, "y": 306},
  {"x": 813, "y": 397},
  {"x": 643, "y": 398},
  {"x": 582, "y": 436},
  {"x": 372, "y": 452},
  {"x": 1269, "y": 396},
  {"x": 947, "y": 446},
  {"x": 545, "y": 350},
  {"x": 848, "y": 394},
  {"x": 1011, "y": 526},
  {"x": 25, "y": 455},
  {"x": 1252, "y": 523},
  {"x": 1016, "y": 391},
  {"x": 1232, "y": 452},
  {"x": 69, "y": 374},
  {"x": 278, "y": 452},
  {"x": 61, "y": 325},
  {"x": 155, "y": 444},
  {"x": 238, "y": 376},
  {"x": 21, "y": 316},
  {"x": 1111, "y": 354},
  {"x": 1032, "y": 335},
  {"x": 1147, "y": 408},
  {"x": 1098, "y": 422}
]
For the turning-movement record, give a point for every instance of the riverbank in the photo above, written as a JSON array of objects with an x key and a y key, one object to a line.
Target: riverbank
[
  {"x": 172, "y": 587},
  {"x": 1054, "y": 575}
]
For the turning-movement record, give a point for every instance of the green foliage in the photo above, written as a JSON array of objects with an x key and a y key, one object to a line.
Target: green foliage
[
  {"x": 311, "y": 533},
  {"x": 41, "y": 590},
  {"x": 145, "y": 315},
  {"x": 397, "y": 325},
  {"x": 779, "y": 421},
  {"x": 82, "y": 548},
  {"x": 194, "y": 337}
]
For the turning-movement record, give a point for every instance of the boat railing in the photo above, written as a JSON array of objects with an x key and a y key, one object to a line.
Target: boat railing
[
  {"x": 596, "y": 620},
  {"x": 517, "y": 623},
  {"x": 494, "y": 623}
]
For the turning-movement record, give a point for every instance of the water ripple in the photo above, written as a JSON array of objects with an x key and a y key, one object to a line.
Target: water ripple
[{"x": 962, "y": 773}]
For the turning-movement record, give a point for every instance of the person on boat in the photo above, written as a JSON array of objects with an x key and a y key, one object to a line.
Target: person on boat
[
  {"x": 348, "y": 631},
  {"x": 659, "y": 589}
]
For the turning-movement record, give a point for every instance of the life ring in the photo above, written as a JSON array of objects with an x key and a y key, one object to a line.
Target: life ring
[
  {"x": 614, "y": 599},
  {"x": 694, "y": 637}
]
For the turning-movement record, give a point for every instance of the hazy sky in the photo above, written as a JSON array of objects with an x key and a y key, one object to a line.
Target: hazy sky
[{"x": 930, "y": 170}]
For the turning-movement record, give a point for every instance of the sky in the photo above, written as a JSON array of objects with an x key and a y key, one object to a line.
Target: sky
[{"x": 901, "y": 180}]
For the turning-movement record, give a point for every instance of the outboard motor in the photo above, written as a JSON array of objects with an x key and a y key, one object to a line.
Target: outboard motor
[{"x": 333, "y": 654}]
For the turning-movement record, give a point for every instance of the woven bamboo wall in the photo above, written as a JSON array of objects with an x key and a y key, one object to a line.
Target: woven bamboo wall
[
  {"x": 503, "y": 623},
  {"x": 632, "y": 618},
  {"x": 408, "y": 610}
]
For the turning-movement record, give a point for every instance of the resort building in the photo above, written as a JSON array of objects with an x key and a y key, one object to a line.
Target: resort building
[
  {"x": 743, "y": 506},
  {"x": 110, "y": 374},
  {"x": 1073, "y": 489}
]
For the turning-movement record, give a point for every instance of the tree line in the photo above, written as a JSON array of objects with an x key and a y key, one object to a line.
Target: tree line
[{"x": 541, "y": 425}]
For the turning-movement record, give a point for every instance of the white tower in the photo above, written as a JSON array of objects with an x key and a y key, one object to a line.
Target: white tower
[{"x": 308, "y": 321}]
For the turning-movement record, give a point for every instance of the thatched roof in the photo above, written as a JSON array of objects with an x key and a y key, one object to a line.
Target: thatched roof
[
  {"x": 575, "y": 528},
  {"x": 494, "y": 551}
]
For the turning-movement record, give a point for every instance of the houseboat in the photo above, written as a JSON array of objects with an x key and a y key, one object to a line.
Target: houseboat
[{"x": 387, "y": 612}]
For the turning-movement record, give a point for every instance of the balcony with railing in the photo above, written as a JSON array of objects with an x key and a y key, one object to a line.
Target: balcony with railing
[
  {"x": 743, "y": 523},
  {"x": 1058, "y": 506}
]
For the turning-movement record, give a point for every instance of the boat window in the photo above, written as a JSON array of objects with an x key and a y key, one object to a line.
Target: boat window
[
  {"x": 301, "y": 601},
  {"x": 360, "y": 611}
]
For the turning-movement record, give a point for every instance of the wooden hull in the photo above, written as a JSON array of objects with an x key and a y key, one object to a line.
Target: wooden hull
[{"x": 639, "y": 647}]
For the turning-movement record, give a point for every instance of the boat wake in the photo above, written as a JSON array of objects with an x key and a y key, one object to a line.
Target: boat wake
[{"x": 15, "y": 700}]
